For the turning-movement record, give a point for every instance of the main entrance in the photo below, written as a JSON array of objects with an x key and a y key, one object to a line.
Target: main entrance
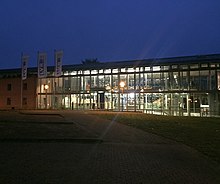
[
  {"x": 101, "y": 100},
  {"x": 174, "y": 104}
]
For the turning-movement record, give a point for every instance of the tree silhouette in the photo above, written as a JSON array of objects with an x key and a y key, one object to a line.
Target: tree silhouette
[{"x": 90, "y": 61}]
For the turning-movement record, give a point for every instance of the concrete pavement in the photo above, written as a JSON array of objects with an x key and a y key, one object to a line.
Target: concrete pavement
[{"x": 74, "y": 147}]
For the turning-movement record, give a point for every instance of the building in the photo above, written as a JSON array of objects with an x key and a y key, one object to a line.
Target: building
[
  {"x": 179, "y": 86},
  {"x": 17, "y": 94}
]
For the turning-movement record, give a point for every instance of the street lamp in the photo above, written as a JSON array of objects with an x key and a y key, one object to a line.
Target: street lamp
[
  {"x": 46, "y": 87},
  {"x": 122, "y": 85}
]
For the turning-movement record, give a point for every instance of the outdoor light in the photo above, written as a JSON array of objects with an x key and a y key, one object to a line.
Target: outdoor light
[
  {"x": 46, "y": 87},
  {"x": 122, "y": 84},
  {"x": 131, "y": 95}
]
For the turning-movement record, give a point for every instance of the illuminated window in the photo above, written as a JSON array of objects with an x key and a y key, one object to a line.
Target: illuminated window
[
  {"x": 165, "y": 67},
  {"x": 108, "y": 71},
  {"x": 115, "y": 71},
  {"x": 115, "y": 81},
  {"x": 204, "y": 65},
  {"x": 87, "y": 72},
  {"x": 66, "y": 73},
  {"x": 101, "y": 80},
  {"x": 94, "y": 72},
  {"x": 194, "y": 66},
  {"x": 156, "y": 68},
  {"x": 73, "y": 73},
  {"x": 130, "y": 69},
  {"x": 184, "y": 67}
]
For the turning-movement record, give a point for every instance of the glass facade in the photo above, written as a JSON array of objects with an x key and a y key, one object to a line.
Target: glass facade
[{"x": 165, "y": 89}]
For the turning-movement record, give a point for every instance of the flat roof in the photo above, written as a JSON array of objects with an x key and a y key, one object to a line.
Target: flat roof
[{"x": 211, "y": 58}]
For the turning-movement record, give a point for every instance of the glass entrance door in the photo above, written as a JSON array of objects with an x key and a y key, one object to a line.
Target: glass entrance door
[{"x": 101, "y": 100}]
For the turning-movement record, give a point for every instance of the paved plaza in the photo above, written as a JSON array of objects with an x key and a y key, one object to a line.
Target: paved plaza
[{"x": 55, "y": 147}]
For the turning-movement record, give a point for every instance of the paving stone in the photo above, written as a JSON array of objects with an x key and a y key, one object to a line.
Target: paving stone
[{"x": 125, "y": 155}]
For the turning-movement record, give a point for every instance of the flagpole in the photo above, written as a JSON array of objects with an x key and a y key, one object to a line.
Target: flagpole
[
  {"x": 38, "y": 103},
  {"x": 54, "y": 79},
  {"x": 38, "y": 83},
  {"x": 21, "y": 80}
]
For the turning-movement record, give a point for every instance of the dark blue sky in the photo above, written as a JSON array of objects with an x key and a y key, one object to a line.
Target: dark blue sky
[{"x": 110, "y": 30}]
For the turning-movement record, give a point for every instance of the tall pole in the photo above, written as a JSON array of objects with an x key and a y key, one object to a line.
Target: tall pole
[
  {"x": 46, "y": 98},
  {"x": 54, "y": 79},
  {"x": 122, "y": 85},
  {"x": 122, "y": 99},
  {"x": 21, "y": 81},
  {"x": 24, "y": 63},
  {"x": 46, "y": 88}
]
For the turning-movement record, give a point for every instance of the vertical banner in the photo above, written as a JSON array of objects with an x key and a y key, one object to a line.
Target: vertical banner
[
  {"x": 42, "y": 65},
  {"x": 58, "y": 63},
  {"x": 24, "y": 64}
]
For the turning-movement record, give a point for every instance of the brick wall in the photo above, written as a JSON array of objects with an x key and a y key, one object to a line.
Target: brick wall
[{"x": 10, "y": 93}]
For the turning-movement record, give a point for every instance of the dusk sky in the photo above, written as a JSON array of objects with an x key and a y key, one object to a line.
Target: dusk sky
[{"x": 109, "y": 30}]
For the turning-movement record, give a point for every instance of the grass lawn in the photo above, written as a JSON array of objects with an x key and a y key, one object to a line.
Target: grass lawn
[{"x": 202, "y": 134}]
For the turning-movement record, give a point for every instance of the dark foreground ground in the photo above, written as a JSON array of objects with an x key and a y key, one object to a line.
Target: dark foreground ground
[{"x": 74, "y": 147}]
